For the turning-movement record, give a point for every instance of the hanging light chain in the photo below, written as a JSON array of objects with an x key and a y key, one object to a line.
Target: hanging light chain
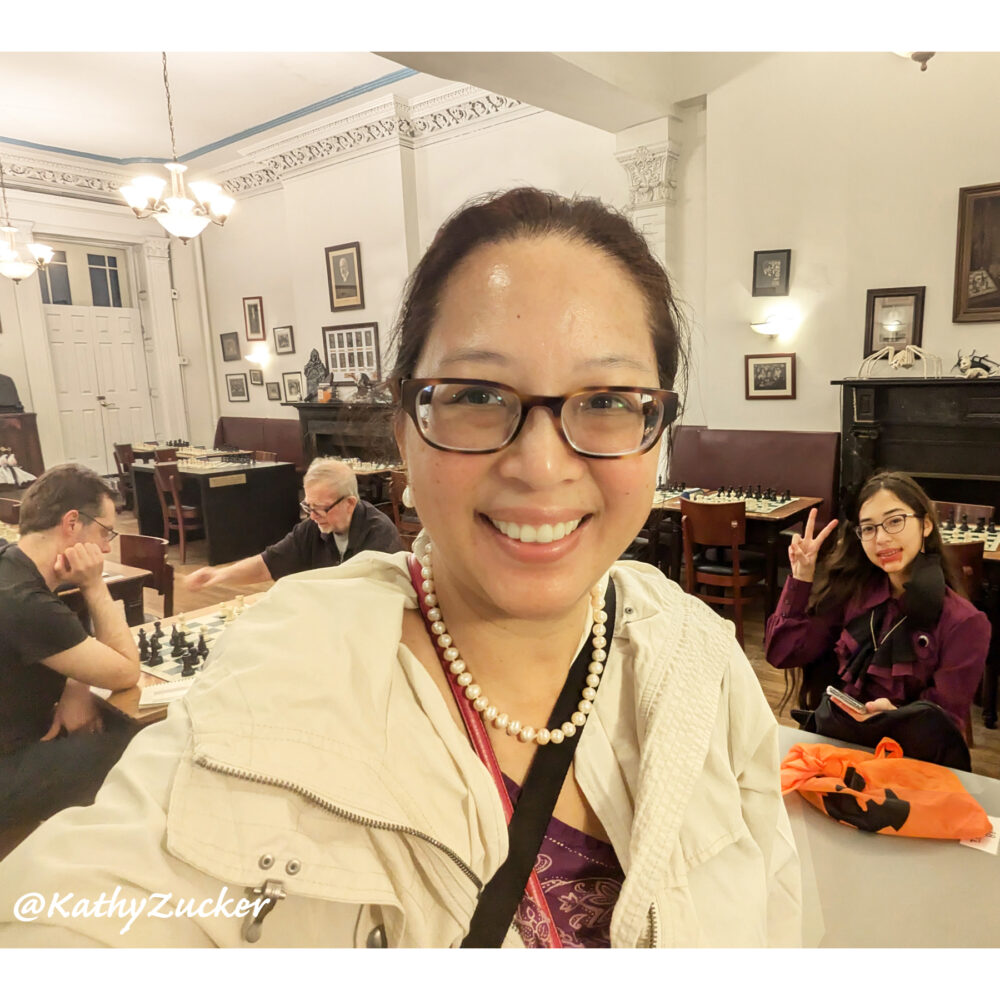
[
  {"x": 170, "y": 109},
  {"x": 3, "y": 190}
]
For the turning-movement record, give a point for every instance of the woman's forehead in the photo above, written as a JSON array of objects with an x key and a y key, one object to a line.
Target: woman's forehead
[{"x": 883, "y": 501}]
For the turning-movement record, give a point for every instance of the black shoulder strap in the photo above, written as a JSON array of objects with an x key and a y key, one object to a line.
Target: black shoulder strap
[{"x": 500, "y": 898}]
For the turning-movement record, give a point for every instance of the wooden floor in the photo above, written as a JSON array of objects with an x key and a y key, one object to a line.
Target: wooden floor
[{"x": 985, "y": 753}]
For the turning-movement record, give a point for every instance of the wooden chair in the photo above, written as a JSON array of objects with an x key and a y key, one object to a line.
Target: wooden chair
[
  {"x": 176, "y": 516},
  {"x": 407, "y": 523},
  {"x": 10, "y": 511},
  {"x": 164, "y": 454},
  {"x": 266, "y": 456},
  {"x": 717, "y": 525},
  {"x": 967, "y": 560},
  {"x": 148, "y": 552},
  {"x": 124, "y": 457}
]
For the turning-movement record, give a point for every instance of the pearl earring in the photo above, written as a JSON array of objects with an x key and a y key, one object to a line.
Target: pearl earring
[{"x": 407, "y": 497}]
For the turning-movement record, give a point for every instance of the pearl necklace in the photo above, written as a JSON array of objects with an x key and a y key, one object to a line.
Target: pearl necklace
[{"x": 489, "y": 712}]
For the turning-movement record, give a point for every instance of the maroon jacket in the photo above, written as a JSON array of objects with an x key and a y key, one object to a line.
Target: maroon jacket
[{"x": 950, "y": 658}]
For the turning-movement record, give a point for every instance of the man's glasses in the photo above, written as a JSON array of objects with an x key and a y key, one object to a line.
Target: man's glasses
[
  {"x": 893, "y": 526},
  {"x": 109, "y": 533},
  {"x": 477, "y": 417},
  {"x": 320, "y": 511}
]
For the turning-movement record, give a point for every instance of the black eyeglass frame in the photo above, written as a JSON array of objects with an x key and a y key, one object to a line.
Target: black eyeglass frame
[
  {"x": 303, "y": 506},
  {"x": 111, "y": 533},
  {"x": 408, "y": 391},
  {"x": 861, "y": 527}
]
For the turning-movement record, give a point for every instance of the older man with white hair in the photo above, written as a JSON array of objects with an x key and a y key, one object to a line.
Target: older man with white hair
[{"x": 339, "y": 525}]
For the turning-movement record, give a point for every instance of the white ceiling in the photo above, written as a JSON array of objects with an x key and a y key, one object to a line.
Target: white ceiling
[{"x": 112, "y": 104}]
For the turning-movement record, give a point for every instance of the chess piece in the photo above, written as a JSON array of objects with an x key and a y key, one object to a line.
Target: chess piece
[
  {"x": 157, "y": 631},
  {"x": 202, "y": 647},
  {"x": 155, "y": 659},
  {"x": 143, "y": 646},
  {"x": 980, "y": 524},
  {"x": 187, "y": 670}
]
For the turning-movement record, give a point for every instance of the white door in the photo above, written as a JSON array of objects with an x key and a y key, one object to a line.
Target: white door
[{"x": 102, "y": 392}]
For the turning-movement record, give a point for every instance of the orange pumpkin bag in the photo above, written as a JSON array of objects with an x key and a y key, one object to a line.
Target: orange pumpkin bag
[{"x": 883, "y": 792}]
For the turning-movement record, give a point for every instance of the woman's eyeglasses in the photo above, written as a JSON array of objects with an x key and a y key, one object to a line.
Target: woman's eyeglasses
[
  {"x": 893, "y": 526},
  {"x": 320, "y": 511},
  {"x": 475, "y": 416},
  {"x": 109, "y": 533}
]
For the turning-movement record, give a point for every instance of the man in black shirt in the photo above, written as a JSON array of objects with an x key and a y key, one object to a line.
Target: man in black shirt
[
  {"x": 339, "y": 526},
  {"x": 47, "y": 660}
]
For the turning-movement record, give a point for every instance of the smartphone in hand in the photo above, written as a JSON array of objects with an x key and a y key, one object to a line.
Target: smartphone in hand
[{"x": 846, "y": 701}]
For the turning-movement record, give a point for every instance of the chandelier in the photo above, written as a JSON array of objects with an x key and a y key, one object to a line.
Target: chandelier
[
  {"x": 13, "y": 264},
  {"x": 180, "y": 215}
]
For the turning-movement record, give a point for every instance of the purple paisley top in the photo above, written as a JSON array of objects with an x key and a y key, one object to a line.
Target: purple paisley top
[{"x": 581, "y": 879}]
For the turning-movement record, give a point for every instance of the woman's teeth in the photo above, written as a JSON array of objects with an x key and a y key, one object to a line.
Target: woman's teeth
[{"x": 540, "y": 533}]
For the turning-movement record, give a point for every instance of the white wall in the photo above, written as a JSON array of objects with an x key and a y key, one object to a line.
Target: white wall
[
  {"x": 854, "y": 161},
  {"x": 391, "y": 201}
]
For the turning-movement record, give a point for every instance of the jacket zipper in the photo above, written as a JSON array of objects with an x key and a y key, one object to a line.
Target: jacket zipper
[
  {"x": 654, "y": 926},
  {"x": 375, "y": 824}
]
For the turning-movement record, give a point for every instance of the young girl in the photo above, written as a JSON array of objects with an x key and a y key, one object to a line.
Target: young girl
[{"x": 886, "y": 604}]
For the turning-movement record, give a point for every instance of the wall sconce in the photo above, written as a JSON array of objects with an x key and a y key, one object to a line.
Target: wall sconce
[
  {"x": 781, "y": 323},
  {"x": 917, "y": 57}
]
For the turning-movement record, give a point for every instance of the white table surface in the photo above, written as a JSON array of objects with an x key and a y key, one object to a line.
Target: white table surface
[{"x": 871, "y": 890}]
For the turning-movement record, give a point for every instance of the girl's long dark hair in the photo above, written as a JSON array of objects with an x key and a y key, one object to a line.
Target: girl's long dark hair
[{"x": 844, "y": 570}]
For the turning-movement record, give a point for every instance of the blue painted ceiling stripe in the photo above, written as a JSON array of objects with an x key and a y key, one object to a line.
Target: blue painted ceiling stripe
[{"x": 363, "y": 88}]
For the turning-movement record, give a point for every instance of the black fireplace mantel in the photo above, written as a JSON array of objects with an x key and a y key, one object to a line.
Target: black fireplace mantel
[
  {"x": 348, "y": 430},
  {"x": 943, "y": 431}
]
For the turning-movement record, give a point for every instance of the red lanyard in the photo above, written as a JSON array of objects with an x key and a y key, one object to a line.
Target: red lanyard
[{"x": 484, "y": 749}]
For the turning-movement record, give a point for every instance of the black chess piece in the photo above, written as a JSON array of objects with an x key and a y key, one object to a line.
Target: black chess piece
[
  {"x": 980, "y": 524},
  {"x": 202, "y": 647},
  {"x": 143, "y": 646},
  {"x": 788, "y": 496},
  {"x": 155, "y": 659},
  {"x": 992, "y": 529},
  {"x": 157, "y": 631},
  {"x": 964, "y": 526},
  {"x": 187, "y": 670}
]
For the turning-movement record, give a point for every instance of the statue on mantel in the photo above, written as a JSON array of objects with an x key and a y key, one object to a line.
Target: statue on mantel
[
  {"x": 315, "y": 372},
  {"x": 972, "y": 365},
  {"x": 898, "y": 359}
]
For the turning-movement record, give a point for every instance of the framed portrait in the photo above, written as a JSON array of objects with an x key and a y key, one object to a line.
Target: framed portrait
[
  {"x": 292, "y": 381},
  {"x": 770, "y": 272},
  {"x": 977, "y": 257},
  {"x": 770, "y": 376},
  {"x": 236, "y": 387},
  {"x": 230, "y": 346},
  {"x": 343, "y": 274},
  {"x": 284, "y": 340},
  {"x": 352, "y": 350},
  {"x": 894, "y": 317},
  {"x": 253, "y": 317},
  {"x": 256, "y": 376},
  {"x": 273, "y": 391}
]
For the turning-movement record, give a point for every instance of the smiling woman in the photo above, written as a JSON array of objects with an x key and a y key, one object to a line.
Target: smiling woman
[{"x": 510, "y": 670}]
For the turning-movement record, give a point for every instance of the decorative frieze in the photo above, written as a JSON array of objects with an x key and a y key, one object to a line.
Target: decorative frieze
[{"x": 55, "y": 174}]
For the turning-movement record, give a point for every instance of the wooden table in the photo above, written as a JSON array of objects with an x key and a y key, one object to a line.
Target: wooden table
[
  {"x": 870, "y": 890},
  {"x": 125, "y": 584},
  {"x": 762, "y": 529},
  {"x": 127, "y": 702},
  {"x": 245, "y": 507}
]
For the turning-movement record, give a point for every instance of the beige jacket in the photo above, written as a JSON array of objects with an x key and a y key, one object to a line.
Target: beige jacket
[{"x": 316, "y": 762}]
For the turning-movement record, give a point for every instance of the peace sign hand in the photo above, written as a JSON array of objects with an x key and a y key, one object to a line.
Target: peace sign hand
[{"x": 804, "y": 549}]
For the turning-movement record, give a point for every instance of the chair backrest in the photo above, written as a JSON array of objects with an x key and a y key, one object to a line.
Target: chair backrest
[
  {"x": 266, "y": 456},
  {"x": 124, "y": 457},
  {"x": 164, "y": 454},
  {"x": 147, "y": 552},
  {"x": 716, "y": 523},
  {"x": 10, "y": 510},
  {"x": 967, "y": 558},
  {"x": 167, "y": 486},
  {"x": 409, "y": 526}
]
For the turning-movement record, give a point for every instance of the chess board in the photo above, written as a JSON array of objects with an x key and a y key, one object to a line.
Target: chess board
[
  {"x": 213, "y": 464},
  {"x": 753, "y": 506},
  {"x": 170, "y": 669},
  {"x": 955, "y": 536},
  {"x": 358, "y": 466},
  {"x": 671, "y": 491}
]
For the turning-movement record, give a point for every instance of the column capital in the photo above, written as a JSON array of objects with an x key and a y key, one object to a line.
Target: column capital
[
  {"x": 652, "y": 173},
  {"x": 156, "y": 248}
]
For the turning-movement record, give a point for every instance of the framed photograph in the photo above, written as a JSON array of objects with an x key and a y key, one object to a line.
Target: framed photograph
[
  {"x": 351, "y": 351},
  {"x": 284, "y": 340},
  {"x": 256, "y": 376},
  {"x": 894, "y": 317},
  {"x": 770, "y": 272},
  {"x": 273, "y": 391},
  {"x": 292, "y": 382},
  {"x": 230, "y": 346},
  {"x": 770, "y": 376},
  {"x": 253, "y": 317},
  {"x": 977, "y": 258},
  {"x": 343, "y": 273},
  {"x": 236, "y": 387}
]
